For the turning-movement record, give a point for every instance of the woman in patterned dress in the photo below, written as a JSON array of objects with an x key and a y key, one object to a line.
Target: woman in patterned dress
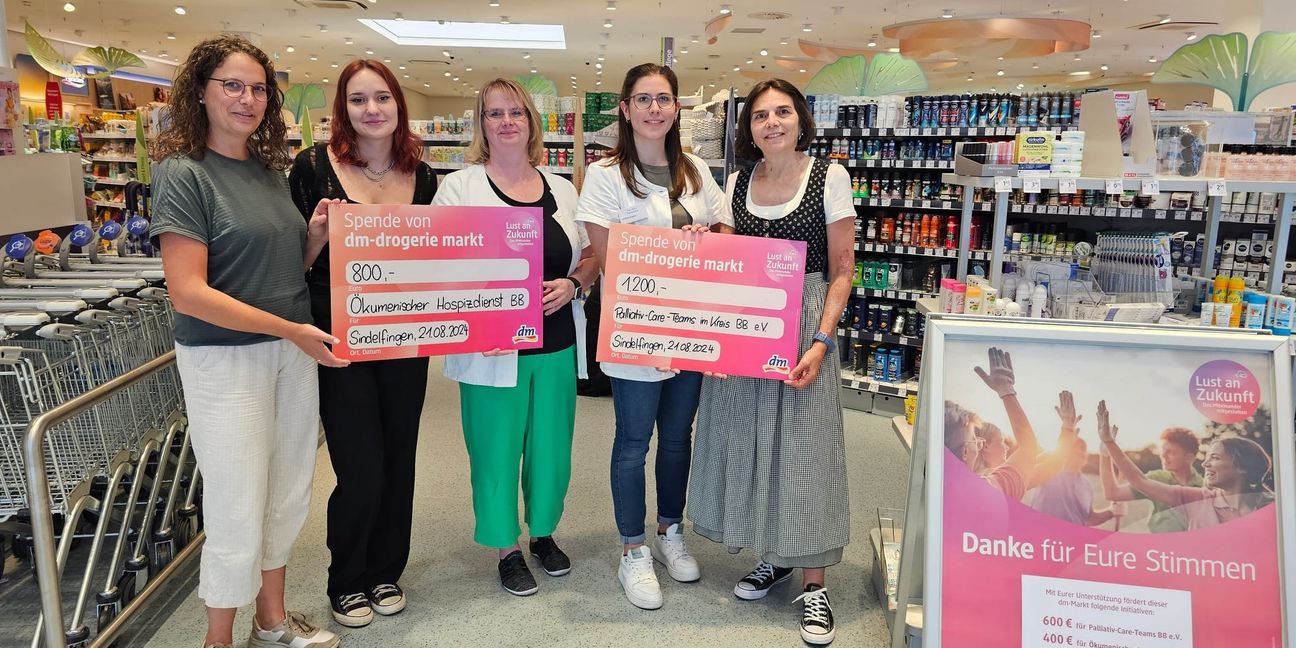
[{"x": 769, "y": 459}]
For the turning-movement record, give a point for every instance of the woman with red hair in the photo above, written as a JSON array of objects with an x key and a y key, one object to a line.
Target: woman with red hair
[{"x": 370, "y": 410}]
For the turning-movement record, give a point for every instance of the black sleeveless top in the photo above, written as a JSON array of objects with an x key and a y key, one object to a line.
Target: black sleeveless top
[{"x": 806, "y": 223}]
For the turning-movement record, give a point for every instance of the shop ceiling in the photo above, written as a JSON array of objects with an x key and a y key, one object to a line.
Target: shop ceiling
[{"x": 312, "y": 38}]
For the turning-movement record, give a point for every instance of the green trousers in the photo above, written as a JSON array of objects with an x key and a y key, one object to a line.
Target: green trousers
[{"x": 523, "y": 431}]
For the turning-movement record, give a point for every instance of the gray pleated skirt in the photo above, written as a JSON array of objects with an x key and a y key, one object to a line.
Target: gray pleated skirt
[{"x": 769, "y": 466}]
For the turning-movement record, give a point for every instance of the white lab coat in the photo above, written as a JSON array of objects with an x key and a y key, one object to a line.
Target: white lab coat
[
  {"x": 471, "y": 187},
  {"x": 605, "y": 199}
]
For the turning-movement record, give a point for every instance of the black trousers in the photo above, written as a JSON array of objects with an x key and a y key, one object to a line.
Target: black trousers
[{"x": 371, "y": 416}]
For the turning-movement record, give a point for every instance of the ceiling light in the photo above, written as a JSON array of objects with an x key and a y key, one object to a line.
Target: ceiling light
[
  {"x": 314, "y": 58},
  {"x": 427, "y": 85},
  {"x": 326, "y": 80},
  {"x": 1034, "y": 66},
  {"x": 600, "y": 58},
  {"x": 334, "y": 65},
  {"x": 872, "y": 41},
  {"x": 290, "y": 49},
  {"x": 476, "y": 91},
  {"x": 1000, "y": 58},
  {"x": 572, "y": 77},
  {"x": 598, "y": 83},
  {"x": 999, "y": 73},
  {"x": 1192, "y": 36},
  {"x": 599, "y": 73},
  {"x": 764, "y": 52},
  {"x": 693, "y": 39},
  {"x": 69, "y": 7},
  {"x": 504, "y": 20},
  {"x": 1152, "y": 59},
  {"x": 445, "y": 53},
  {"x": 598, "y": 66},
  {"x": 533, "y": 70},
  {"x": 1103, "y": 67},
  {"x": 802, "y": 70},
  {"x": 323, "y": 28},
  {"x": 406, "y": 76},
  {"x": 893, "y": 50},
  {"x": 736, "y": 68},
  {"x": 348, "y": 40},
  {"x": 446, "y": 73},
  {"x": 1097, "y": 33},
  {"x": 1079, "y": 73},
  {"x": 724, "y": 10},
  {"x": 948, "y": 13},
  {"x": 611, "y": 5},
  {"x": 163, "y": 53},
  {"x": 526, "y": 55},
  {"x": 386, "y": 60},
  {"x": 494, "y": 3},
  {"x": 180, "y": 10},
  {"x": 369, "y": 52},
  {"x": 170, "y": 35},
  {"x": 1020, "y": 86},
  {"x": 683, "y": 50},
  {"x": 402, "y": 67},
  {"x": 969, "y": 78},
  {"x": 1076, "y": 58},
  {"x": 1165, "y": 18},
  {"x": 398, "y": 16},
  {"x": 749, "y": 61},
  {"x": 806, "y": 27},
  {"x": 468, "y": 69},
  {"x": 287, "y": 70},
  {"x": 607, "y": 23}
]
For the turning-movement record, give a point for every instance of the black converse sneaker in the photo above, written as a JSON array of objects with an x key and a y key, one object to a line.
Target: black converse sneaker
[
  {"x": 817, "y": 617},
  {"x": 515, "y": 576},
  {"x": 757, "y": 584},
  {"x": 552, "y": 559},
  {"x": 351, "y": 610},
  {"x": 386, "y": 599}
]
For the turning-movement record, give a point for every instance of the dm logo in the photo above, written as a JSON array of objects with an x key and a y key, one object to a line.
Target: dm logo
[
  {"x": 776, "y": 364},
  {"x": 525, "y": 334}
]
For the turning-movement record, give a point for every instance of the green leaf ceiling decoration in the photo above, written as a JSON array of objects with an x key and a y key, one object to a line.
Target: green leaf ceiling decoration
[
  {"x": 48, "y": 57},
  {"x": 845, "y": 77},
  {"x": 890, "y": 74},
  {"x": 107, "y": 60},
  {"x": 882, "y": 74},
  {"x": 308, "y": 135},
  {"x": 537, "y": 84},
  {"x": 302, "y": 96},
  {"x": 1222, "y": 62}
]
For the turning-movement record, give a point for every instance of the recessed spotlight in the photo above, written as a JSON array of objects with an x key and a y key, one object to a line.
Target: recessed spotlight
[
  {"x": 1020, "y": 86},
  {"x": 600, "y": 58},
  {"x": 764, "y": 52},
  {"x": 1097, "y": 33},
  {"x": 504, "y": 20},
  {"x": 1000, "y": 58},
  {"x": 948, "y": 13},
  {"x": 398, "y": 16},
  {"x": 386, "y": 60},
  {"x": 736, "y": 68},
  {"x": 1103, "y": 67},
  {"x": 969, "y": 78},
  {"x": 314, "y": 58},
  {"x": 572, "y": 77},
  {"x": 598, "y": 83},
  {"x": 445, "y": 53},
  {"x": 369, "y": 52},
  {"x": 180, "y": 10},
  {"x": 348, "y": 40},
  {"x": 427, "y": 85},
  {"x": 1079, "y": 73},
  {"x": 1076, "y": 57},
  {"x": 1035, "y": 66},
  {"x": 683, "y": 50},
  {"x": 334, "y": 65},
  {"x": 598, "y": 66},
  {"x": 749, "y": 61},
  {"x": 468, "y": 69},
  {"x": 806, "y": 27},
  {"x": 872, "y": 41},
  {"x": 533, "y": 71},
  {"x": 893, "y": 50},
  {"x": 724, "y": 10},
  {"x": 287, "y": 70},
  {"x": 526, "y": 55},
  {"x": 783, "y": 40},
  {"x": 494, "y": 3},
  {"x": 599, "y": 73},
  {"x": 1165, "y": 18},
  {"x": 1192, "y": 36},
  {"x": 69, "y": 7},
  {"x": 693, "y": 39},
  {"x": 446, "y": 73},
  {"x": 162, "y": 54},
  {"x": 170, "y": 35},
  {"x": 611, "y": 5},
  {"x": 802, "y": 70},
  {"x": 325, "y": 80},
  {"x": 607, "y": 24},
  {"x": 401, "y": 67},
  {"x": 290, "y": 49},
  {"x": 323, "y": 28},
  {"x": 999, "y": 73},
  {"x": 1152, "y": 59}
]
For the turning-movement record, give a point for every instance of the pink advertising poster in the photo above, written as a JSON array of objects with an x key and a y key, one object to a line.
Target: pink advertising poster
[
  {"x": 702, "y": 302},
  {"x": 1112, "y": 498},
  {"x": 419, "y": 280}
]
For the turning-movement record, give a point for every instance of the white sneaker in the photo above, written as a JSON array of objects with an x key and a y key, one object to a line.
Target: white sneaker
[
  {"x": 292, "y": 632},
  {"x": 669, "y": 550},
  {"x": 639, "y": 579}
]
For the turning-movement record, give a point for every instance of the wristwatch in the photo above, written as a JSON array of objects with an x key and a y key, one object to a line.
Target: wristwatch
[
  {"x": 828, "y": 341},
  {"x": 575, "y": 284}
]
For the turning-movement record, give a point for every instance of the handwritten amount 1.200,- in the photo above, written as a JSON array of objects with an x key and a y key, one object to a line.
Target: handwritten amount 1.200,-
[{"x": 638, "y": 284}]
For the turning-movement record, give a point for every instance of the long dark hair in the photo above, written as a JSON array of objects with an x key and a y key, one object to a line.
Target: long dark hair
[
  {"x": 406, "y": 149},
  {"x": 684, "y": 177},
  {"x": 745, "y": 146},
  {"x": 186, "y": 134},
  {"x": 1251, "y": 460}
]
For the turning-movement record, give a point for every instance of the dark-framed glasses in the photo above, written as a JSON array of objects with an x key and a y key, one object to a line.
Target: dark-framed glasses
[
  {"x": 234, "y": 88},
  {"x": 644, "y": 101}
]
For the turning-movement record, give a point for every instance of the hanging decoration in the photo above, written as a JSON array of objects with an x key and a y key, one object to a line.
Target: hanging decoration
[
  {"x": 92, "y": 62},
  {"x": 883, "y": 74},
  {"x": 537, "y": 84},
  {"x": 1221, "y": 61}
]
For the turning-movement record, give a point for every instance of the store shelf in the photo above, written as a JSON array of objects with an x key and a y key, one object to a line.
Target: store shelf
[
  {"x": 955, "y": 131},
  {"x": 558, "y": 138},
  {"x": 929, "y": 165},
  {"x": 1109, "y": 212},
  {"x": 898, "y": 390},
  {"x": 908, "y": 250},
  {"x": 918, "y": 204},
  {"x": 910, "y": 295},
  {"x": 560, "y": 170},
  {"x": 108, "y": 159},
  {"x": 903, "y": 431},
  {"x": 109, "y": 203},
  {"x": 455, "y": 166},
  {"x": 601, "y": 141},
  {"x": 1131, "y": 184},
  {"x": 716, "y": 163},
  {"x": 107, "y": 136},
  {"x": 885, "y": 338},
  {"x": 109, "y": 181}
]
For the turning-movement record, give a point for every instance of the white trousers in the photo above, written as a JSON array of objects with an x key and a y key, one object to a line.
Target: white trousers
[{"x": 254, "y": 423}]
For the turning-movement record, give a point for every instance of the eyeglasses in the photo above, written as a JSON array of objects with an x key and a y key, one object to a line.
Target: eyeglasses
[
  {"x": 644, "y": 101},
  {"x": 516, "y": 114},
  {"x": 234, "y": 88},
  {"x": 978, "y": 442}
]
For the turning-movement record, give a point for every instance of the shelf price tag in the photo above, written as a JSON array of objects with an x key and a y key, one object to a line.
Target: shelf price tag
[
  {"x": 1066, "y": 185},
  {"x": 1216, "y": 188},
  {"x": 1180, "y": 215},
  {"x": 1160, "y": 214},
  {"x": 1151, "y": 187},
  {"x": 1115, "y": 186},
  {"x": 1003, "y": 184},
  {"x": 1031, "y": 185}
]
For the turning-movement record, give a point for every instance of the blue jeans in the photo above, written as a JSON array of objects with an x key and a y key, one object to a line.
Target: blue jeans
[{"x": 669, "y": 405}]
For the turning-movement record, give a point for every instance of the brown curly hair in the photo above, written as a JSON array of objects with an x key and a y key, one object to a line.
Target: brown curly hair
[{"x": 186, "y": 130}]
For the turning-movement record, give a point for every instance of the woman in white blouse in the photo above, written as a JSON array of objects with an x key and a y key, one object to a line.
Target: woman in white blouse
[
  {"x": 648, "y": 180},
  {"x": 519, "y": 408}
]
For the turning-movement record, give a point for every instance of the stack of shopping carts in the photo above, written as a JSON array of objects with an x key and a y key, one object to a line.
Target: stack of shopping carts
[{"x": 120, "y": 472}]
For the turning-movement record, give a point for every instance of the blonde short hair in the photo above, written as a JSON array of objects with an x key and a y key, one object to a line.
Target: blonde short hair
[{"x": 479, "y": 149}]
